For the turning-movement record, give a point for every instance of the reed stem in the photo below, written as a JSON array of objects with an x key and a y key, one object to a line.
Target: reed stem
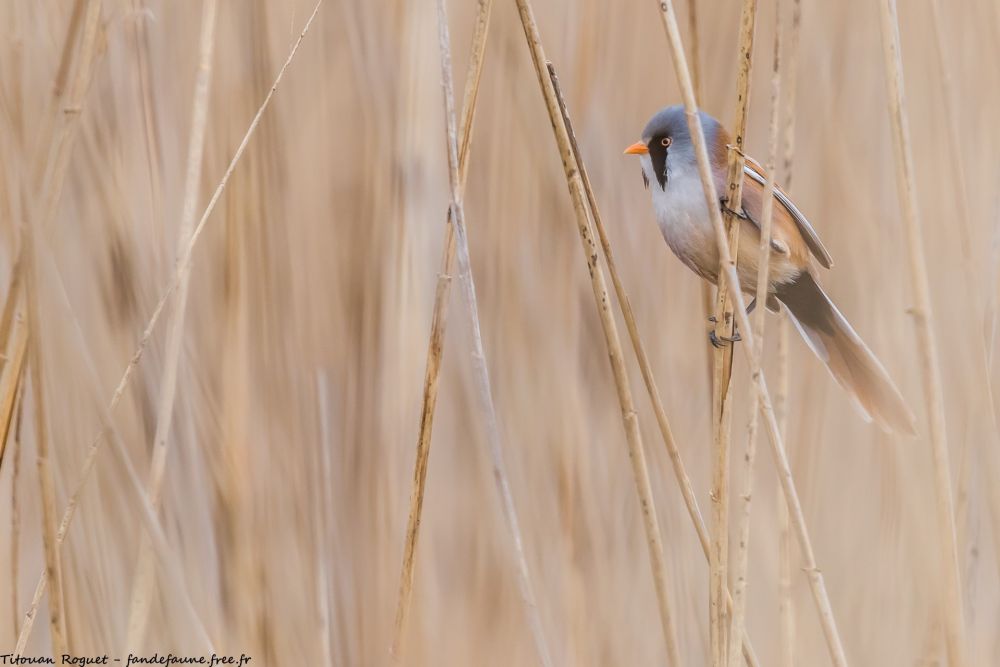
[
  {"x": 763, "y": 282},
  {"x": 728, "y": 273},
  {"x": 435, "y": 343},
  {"x": 637, "y": 456},
  {"x": 680, "y": 472},
  {"x": 481, "y": 371},
  {"x": 142, "y": 583},
  {"x": 786, "y": 606},
  {"x": 725, "y": 327},
  {"x": 923, "y": 317},
  {"x": 185, "y": 258}
]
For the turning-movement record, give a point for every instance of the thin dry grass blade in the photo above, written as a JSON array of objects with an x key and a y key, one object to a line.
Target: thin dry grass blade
[
  {"x": 182, "y": 263},
  {"x": 763, "y": 281},
  {"x": 15, "y": 513},
  {"x": 435, "y": 344},
  {"x": 151, "y": 134},
  {"x": 816, "y": 583},
  {"x": 786, "y": 606},
  {"x": 53, "y": 565},
  {"x": 142, "y": 583},
  {"x": 725, "y": 326},
  {"x": 478, "y": 355},
  {"x": 951, "y": 608},
  {"x": 10, "y": 378},
  {"x": 634, "y": 438},
  {"x": 680, "y": 472},
  {"x": 13, "y": 344},
  {"x": 51, "y": 183}
]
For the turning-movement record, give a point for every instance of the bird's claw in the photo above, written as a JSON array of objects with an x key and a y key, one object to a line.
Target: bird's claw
[
  {"x": 720, "y": 342},
  {"x": 742, "y": 214}
]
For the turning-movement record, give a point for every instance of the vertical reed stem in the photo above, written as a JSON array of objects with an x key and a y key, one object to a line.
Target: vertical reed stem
[
  {"x": 439, "y": 320},
  {"x": 478, "y": 355},
  {"x": 142, "y": 584},
  {"x": 951, "y": 607},
  {"x": 816, "y": 583},
  {"x": 53, "y": 565},
  {"x": 725, "y": 326},
  {"x": 763, "y": 281},
  {"x": 786, "y": 608},
  {"x": 683, "y": 480},
  {"x": 616, "y": 356},
  {"x": 182, "y": 262}
]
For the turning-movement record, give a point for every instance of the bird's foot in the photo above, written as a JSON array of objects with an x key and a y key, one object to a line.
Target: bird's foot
[
  {"x": 741, "y": 214},
  {"x": 720, "y": 342}
]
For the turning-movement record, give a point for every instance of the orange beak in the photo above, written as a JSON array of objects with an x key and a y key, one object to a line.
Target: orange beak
[{"x": 638, "y": 148}]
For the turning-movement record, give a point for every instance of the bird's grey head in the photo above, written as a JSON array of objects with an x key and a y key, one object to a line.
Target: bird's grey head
[{"x": 666, "y": 142}]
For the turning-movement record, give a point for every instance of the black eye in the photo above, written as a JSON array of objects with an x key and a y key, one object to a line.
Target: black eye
[{"x": 666, "y": 141}]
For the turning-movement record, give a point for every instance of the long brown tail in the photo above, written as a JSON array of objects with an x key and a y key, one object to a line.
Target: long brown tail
[{"x": 850, "y": 361}]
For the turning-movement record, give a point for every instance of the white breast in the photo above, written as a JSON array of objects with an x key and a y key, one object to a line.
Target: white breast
[{"x": 682, "y": 215}]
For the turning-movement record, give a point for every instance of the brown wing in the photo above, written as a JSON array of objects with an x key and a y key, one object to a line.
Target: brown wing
[
  {"x": 786, "y": 238},
  {"x": 787, "y": 211}
]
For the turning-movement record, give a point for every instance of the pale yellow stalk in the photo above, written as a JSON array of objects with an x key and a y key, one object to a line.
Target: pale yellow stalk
[
  {"x": 53, "y": 563},
  {"x": 725, "y": 326},
  {"x": 728, "y": 273},
  {"x": 786, "y": 606},
  {"x": 95, "y": 445},
  {"x": 683, "y": 480},
  {"x": 637, "y": 455},
  {"x": 951, "y": 609},
  {"x": 142, "y": 581},
  {"x": 478, "y": 354},
  {"x": 763, "y": 281},
  {"x": 435, "y": 344}
]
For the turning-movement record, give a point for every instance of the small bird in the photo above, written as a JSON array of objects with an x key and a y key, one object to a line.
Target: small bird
[{"x": 670, "y": 172}]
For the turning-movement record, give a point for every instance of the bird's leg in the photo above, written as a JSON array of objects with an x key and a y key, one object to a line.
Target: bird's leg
[
  {"x": 721, "y": 341},
  {"x": 751, "y": 305}
]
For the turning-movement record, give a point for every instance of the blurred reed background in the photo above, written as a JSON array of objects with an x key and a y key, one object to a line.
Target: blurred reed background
[{"x": 287, "y": 481}]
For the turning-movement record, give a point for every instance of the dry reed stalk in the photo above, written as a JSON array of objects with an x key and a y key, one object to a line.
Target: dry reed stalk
[
  {"x": 58, "y": 158},
  {"x": 15, "y": 512},
  {"x": 728, "y": 266},
  {"x": 625, "y": 304},
  {"x": 54, "y": 116},
  {"x": 763, "y": 281},
  {"x": 616, "y": 356},
  {"x": 11, "y": 377},
  {"x": 13, "y": 345},
  {"x": 957, "y": 169},
  {"x": 182, "y": 262},
  {"x": 142, "y": 582},
  {"x": 53, "y": 566},
  {"x": 168, "y": 561},
  {"x": 51, "y": 182},
  {"x": 69, "y": 42},
  {"x": 50, "y": 169},
  {"x": 439, "y": 319},
  {"x": 955, "y": 163},
  {"x": 923, "y": 317},
  {"x": 695, "y": 50},
  {"x": 725, "y": 326},
  {"x": 151, "y": 134},
  {"x": 786, "y": 607},
  {"x": 707, "y": 289},
  {"x": 480, "y": 368}
]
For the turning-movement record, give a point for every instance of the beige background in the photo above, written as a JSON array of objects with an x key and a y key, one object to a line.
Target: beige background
[{"x": 299, "y": 392}]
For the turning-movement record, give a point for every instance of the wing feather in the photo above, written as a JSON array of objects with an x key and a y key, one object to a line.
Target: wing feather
[{"x": 809, "y": 235}]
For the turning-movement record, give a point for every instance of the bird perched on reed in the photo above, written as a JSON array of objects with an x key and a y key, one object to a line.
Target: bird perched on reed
[{"x": 670, "y": 172}]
